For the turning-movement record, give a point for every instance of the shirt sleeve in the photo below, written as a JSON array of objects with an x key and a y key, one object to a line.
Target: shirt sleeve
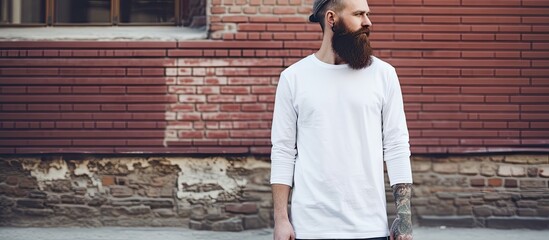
[
  {"x": 396, "y": 147},
  {"x": 283, "y": 135}
]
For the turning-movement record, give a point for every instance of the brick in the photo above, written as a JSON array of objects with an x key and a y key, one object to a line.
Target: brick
[
  {"x": 184, "y": 53},
  {"x": 530, "y": 159},
  {"x": 421, "y": 166},
  {"x": 509, "y": 170},
  {"x": 212, "y": 125},
  {"x": 403, "y": 19},
  {"x": 253, "y": 222},
  {"x": 532, "y": 171},
  {"x": 461, "y": 202},
  {"x": 245, "y": 208},
  {"x": 527, "y": 204},
  {"x": 284, "y": 10},
  {"x": 221, "y": 53},
  {"x": 249, "y": 133},
  {"x": 208, "y": 90},
  {"x": 234, "y": 19},
  {"x": 468, "y": 168},
  {"x": 121, "y": 191},
  {"x": 218, "y": 10},
  {"x": 490, "y": 107},
  {"x": 254, "y": 107},
  {"x": 439, "y": 3},
  {"x": 30, "y": 203},
  {"x": 235, "y": 90},
  {"x": 188, "y": 116},
  {"x": 107, "y": 180},
  {"x": 190, "y": 134},
  {"x": 28, "y": 183},
  {"x": 459, "y": 133},
  {"x": 534, "y": 90},
  {"x": 12, "y": 180},
  {"x": 182, "y": 89},
  {"x": 221, "y": 98},
  {"x": 252, "y": 27},
  {"x": 482, "y": 211},
  {"x": 217, "y": 134},
  {"x": 192, "y": 98},
  {"x": 215, "y": 80},
  {"x": 544, "y": 172},
  {"x": 230, "y": 45},
  {"x": 182, "y": 107},
  {"x": 465, "y": 210},
  {"x": 232, "y": 225},
  {"x": 527, "y": 184},
  {"x": 446, "y": 195},
  {"x": 284, "y": 36},
  {"x": 543, "y": 211},
  {"x": 248, "y": 81},
  {"x": 250, "y": 10},
  {"x": 477, "y": 182},
  {"x": 495, "y": 182},
  {"x": 207, "y": 107},
  {"x": 441, "y": 37},
  {"x": 526, "y": 212},
  {"x": 38, "y": 194}
]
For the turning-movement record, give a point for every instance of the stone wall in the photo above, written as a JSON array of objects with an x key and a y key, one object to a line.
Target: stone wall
[
  {"x": 203, "y": 193},
  {"x": 495, "y": 191},
  {"x": 233, "y": 193}
]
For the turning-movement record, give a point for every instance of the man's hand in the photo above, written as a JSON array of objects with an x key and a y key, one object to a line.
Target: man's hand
[
  {"x": 402, "y": 226},
  {"x": 399, "y": 229},
  {"x": 283, "y": 230}
]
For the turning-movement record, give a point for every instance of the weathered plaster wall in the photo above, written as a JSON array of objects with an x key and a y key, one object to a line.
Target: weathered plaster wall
[
  {"x": 233, "y": 193},
  {"x": 205, "y": 193}
]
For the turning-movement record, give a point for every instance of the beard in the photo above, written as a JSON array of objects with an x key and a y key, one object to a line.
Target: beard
[{"x": 352, "y": 47}]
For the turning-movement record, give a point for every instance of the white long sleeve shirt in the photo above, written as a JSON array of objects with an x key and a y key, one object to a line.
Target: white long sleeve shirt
[{"x": 332, "y": 129}]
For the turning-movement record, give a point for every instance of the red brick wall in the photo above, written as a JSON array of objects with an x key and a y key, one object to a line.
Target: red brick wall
[{"x": 474, "y": 75}]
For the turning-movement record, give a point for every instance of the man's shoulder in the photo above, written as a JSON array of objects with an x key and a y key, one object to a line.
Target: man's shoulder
[
  {"x": 378, "y": 63},
  {"x": 298, "y": 66}
]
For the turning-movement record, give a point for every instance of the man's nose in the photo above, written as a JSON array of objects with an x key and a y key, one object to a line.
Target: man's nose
[{"x": 366, "y": 21}]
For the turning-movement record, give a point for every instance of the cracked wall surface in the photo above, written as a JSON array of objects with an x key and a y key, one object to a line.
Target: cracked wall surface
[
  {"x": 136, "y": 191},
  {"x": 233, "y": 193}
]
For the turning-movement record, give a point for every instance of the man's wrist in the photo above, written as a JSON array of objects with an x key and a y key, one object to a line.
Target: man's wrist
[
  {"x": 405, "y": 218},
  {"x": 281, "y": 218},
  {"x": 403, "y": 194}
]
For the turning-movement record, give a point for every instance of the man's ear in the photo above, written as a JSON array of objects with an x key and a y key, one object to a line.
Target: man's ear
[{"x": 331, "y": 18}]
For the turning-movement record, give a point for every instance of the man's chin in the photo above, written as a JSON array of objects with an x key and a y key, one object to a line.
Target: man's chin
[{"x": 363, "y": 63}]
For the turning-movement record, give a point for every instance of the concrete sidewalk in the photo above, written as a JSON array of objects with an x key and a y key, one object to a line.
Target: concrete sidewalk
[{"x": 123, "y": 233}]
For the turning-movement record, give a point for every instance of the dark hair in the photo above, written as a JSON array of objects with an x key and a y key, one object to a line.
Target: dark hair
[{"x": 334, "y": 5}]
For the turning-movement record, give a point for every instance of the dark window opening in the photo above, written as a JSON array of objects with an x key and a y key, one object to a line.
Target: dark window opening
[
  {"x": 82, "y": 11},
  {"x": 22, "y": 11},
  {"x": 147, "y": 11},
  {"x": 188, "y": 13}
]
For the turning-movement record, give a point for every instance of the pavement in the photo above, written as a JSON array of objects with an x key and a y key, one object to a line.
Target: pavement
[{"x": 148, "y": 233}]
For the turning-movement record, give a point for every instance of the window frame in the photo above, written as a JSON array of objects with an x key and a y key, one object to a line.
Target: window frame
[{"x": 49, "y": 18}]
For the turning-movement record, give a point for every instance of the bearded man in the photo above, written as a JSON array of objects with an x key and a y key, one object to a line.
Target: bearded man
[{"x": 338, "y": 117}]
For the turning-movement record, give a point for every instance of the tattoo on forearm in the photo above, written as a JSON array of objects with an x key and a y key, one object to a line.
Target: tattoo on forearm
[{"x": 402, "y": 226}]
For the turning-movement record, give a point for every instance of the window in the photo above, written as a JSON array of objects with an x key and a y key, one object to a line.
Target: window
[
  {"x": 82, "y": 12},
  {"x": 190, "y": 13},
  {"x": 22, "y": 12},
  {"x": 132, "y": 11}
]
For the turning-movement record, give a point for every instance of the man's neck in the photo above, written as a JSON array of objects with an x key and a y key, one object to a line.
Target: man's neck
[{"x": 326, "y": 53}]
